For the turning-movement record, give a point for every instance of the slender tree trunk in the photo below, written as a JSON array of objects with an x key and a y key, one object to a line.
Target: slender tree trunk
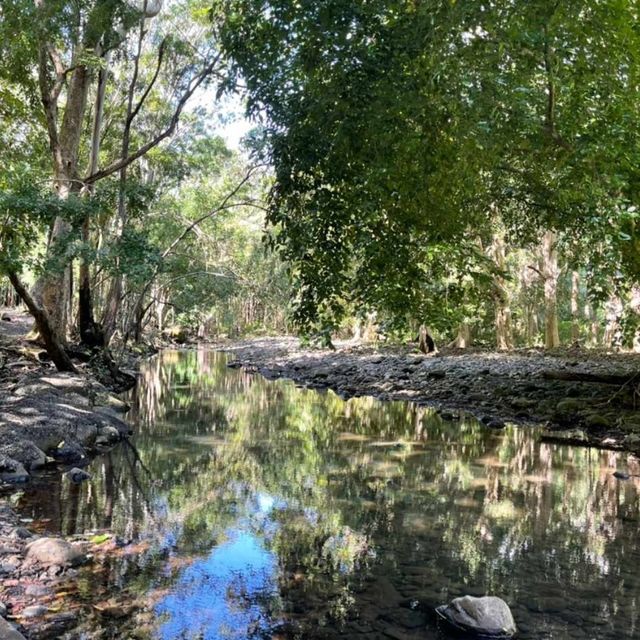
[
  {"x": 114, "y": 296},
  {"x": 594, "y": 327},
  {"x": 54, "y": 347},
  {"x": 550, "y": 273},
  {"x": 613, "y": 313},
  {"x": 575, "y": 296},
  {"x": 90, "y": 331},
  {"x": 504, "y": 335},
  {"x": 635, "y": 307}
]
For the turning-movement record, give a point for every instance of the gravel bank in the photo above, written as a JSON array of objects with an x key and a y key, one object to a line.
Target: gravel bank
[{"x": 581, "y": 397}]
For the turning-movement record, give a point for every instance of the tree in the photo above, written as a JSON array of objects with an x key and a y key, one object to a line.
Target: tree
[
  {"x": 396, "y": 127},
  {"x": 71, "y": 47}
]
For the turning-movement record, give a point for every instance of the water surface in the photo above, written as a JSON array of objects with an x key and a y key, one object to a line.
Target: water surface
[{"x": 255, "y": 509}]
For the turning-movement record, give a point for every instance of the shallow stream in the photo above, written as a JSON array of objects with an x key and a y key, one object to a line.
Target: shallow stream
[{"x": 250, "y": 508}]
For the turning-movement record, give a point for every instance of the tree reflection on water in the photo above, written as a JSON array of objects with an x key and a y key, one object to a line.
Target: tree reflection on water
[{"x": 270, "y": 510}]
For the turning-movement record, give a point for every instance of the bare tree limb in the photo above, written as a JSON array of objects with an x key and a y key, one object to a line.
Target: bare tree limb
[
  {"x": 147, "y": 91},
  {"x": 173, "y": 123}
]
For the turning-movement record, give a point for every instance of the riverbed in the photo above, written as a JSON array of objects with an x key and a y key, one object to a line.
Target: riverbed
[{"x": 250, "y": 508}]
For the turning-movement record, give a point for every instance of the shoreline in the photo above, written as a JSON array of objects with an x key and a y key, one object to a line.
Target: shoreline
[{"x": 579, "y": 397}]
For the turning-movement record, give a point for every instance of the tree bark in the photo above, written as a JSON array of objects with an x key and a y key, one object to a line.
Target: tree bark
[
  {"x": 54, "y": 347},
  {"x": 575, "y": 296},
  {"x": 463, "y": 339},
  {"x": 594, "y": 327},
  {"x": 426, "y": 344},
  {"x": 613, "y": 314},
  {"x": 91, "y": 333},
  {"x": 550, "y": 273},
  {"x": 504, "y": 335}
]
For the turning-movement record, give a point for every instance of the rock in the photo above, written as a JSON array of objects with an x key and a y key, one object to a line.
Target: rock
[
  {"x": 12, "y": 471},
  {"x": 22, "y": 533},
  {"x": 111, "y": 401},
  {"x": 69, "y": 452},
  {"x": 621, "y": 475},
  {"x": 25, "y": 452},
  {"x": 489, "y": 616},
  {"x": 3, "y": 610},
  {"x": 569, "y": 436},
  {"x": 632, "y": 440},
  {"x": 437, "y": 374},
  {"x": 35, "y": 611},
  {"x": 110, "y": 434},
  {"x": 9, "y": 632},
  {"x": 54, "y": 551},
  {"x": 78, "y": 475},
  {"x": 568, "y": 409},
  {"x": 523, "y": 403},
  {"x": 597, "y": 421}
]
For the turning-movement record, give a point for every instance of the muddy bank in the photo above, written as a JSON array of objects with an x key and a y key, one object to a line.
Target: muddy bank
[{"x": 581, "y": 397}]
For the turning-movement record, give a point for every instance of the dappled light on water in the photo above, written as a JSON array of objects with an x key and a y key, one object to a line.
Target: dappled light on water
[{"x": 254, "y": 509}]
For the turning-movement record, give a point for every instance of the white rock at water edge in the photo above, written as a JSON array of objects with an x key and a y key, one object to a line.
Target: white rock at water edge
[
  {"x": 488, "y": 615},
  {"x": 54, "y": 551}
]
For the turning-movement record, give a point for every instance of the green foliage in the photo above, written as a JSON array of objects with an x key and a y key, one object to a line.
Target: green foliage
[{"x": 399, "y": 130}]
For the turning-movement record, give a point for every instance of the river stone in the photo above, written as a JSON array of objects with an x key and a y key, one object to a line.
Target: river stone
[
  {"x": 35, "y": 611},
  {"x": 597, "y": 421},
  {"x": 487, "y": 616},
  {"x": 9, "y": 632},
  {"x": 54, "y": 551},
  {"x": 78, "y": 475},
  {"x": 12, "y": 471}
]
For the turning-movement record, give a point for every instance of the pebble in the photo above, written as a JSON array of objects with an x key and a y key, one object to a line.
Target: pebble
[{"x": 34, "y": 611}]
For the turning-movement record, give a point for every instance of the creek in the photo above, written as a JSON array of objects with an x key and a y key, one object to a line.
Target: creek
[{"x": 255, "y": 509}]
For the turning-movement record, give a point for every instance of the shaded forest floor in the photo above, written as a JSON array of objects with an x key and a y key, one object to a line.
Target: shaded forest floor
[{"x": 580, "y": 396}]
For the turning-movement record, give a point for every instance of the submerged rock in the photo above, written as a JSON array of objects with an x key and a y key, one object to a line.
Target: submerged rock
[
  {"x": 78, "y": 475},
  {"x": 621, "y": 475},
  {"x": 54, "y": 551},
  {"x": 486, "y": 617}
]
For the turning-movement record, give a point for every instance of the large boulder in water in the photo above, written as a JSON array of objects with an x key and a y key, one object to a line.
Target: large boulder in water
[{"x": 486, "y": 617}]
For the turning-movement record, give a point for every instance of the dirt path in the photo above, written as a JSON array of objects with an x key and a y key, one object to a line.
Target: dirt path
[{"x": 561, "y": 390}]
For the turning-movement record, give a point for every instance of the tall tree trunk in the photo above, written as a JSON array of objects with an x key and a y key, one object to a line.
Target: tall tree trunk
[
  {"x": 613, "y": 314},
  {"x": 575, "y": 298},
  {"x": 90, "y": 331},
  {"x": 54, "y": 347},
  {"x": 114, "y": 296},
  {"x": 504, "y": 336},
  {"x": 594, "y": 327},
  {"x": 550, "y": 273}
]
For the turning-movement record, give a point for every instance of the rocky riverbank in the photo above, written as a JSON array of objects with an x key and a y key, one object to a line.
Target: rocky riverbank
[
  {"x": 48, "y": 417},
  {"x": 55, "y": 418},
  {"x": 42, "y": 577},
  {"x": 581, "y": 397}
]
